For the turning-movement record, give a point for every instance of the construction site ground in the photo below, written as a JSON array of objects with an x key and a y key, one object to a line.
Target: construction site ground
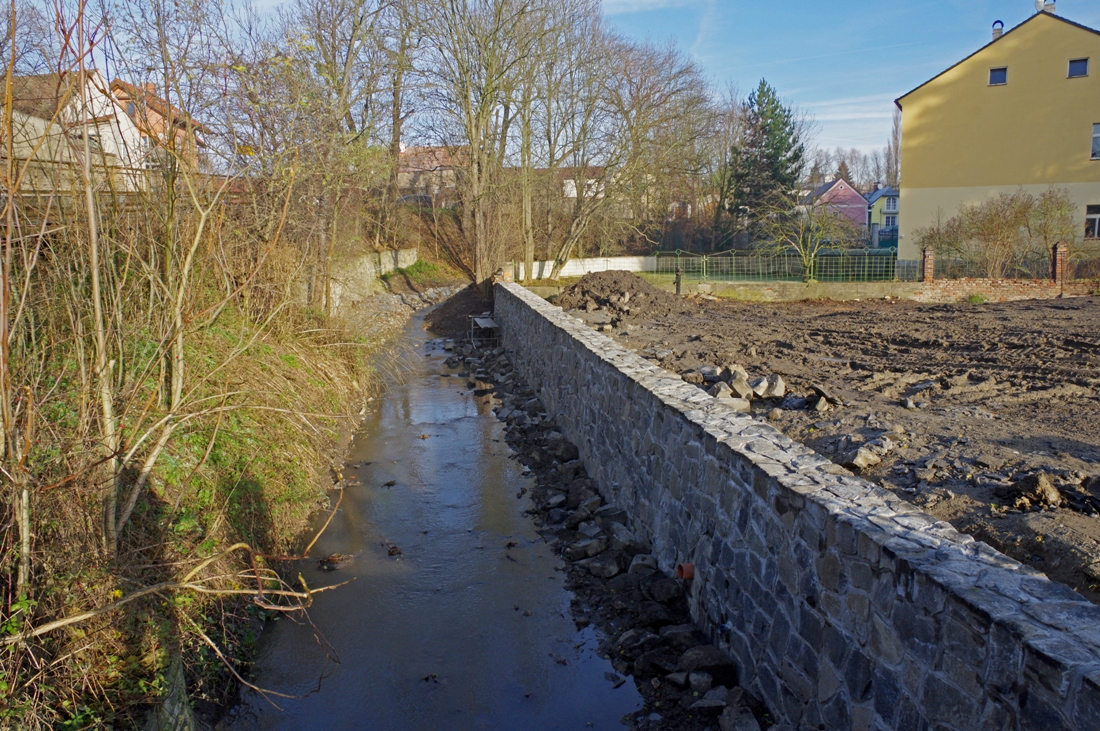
[{"x": 976, "y": 411}]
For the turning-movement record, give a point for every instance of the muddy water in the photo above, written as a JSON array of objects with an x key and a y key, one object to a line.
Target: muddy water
[{"x": 469, "y": 627}]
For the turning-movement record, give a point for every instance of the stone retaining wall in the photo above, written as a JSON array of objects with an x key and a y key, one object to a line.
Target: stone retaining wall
[
  {"x": 843, "y": 606},
  {"x": 353, "y": 278}
]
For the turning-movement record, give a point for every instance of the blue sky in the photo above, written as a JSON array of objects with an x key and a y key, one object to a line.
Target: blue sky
[{"x": 843, "y": 62}]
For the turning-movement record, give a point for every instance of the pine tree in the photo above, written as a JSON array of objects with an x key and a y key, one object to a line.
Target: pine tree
[
  {"x": 770, "y": 158},
  {"x": 843, "y": 173}
]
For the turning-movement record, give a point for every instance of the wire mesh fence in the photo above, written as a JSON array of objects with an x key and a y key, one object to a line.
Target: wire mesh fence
[{"x": 852, "y": 265}]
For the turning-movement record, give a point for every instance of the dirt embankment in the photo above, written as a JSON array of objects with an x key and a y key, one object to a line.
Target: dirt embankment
[{"x": 987, "y": 416}]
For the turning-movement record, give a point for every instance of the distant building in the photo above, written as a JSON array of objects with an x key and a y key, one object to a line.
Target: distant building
[
  {"x": 842, "y": 199},
  {"x": 160, "y": 124},
  {"x": 882, "y": 216},
  {"x": 429, "y": 175},
  {"x": 1021, "y": 112},
  {"x": 125, "y": 129}
]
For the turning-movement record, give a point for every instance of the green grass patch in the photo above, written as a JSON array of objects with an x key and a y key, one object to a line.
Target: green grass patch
[{"x": 976, "y": 299}]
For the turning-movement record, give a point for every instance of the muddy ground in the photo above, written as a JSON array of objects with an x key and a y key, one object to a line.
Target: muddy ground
[{"x": 984, "y": 415}]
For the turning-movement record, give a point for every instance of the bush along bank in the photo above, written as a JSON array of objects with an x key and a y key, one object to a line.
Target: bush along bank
[
  {"x": 642, "y": 614},
  {"x": 164, "y": 625}
]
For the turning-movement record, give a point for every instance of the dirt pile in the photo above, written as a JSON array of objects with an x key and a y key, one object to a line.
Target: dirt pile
[
  {"x": 954, "y": 408},
  {"x": 621, "y": 294},
  {"x": 452, "y": 317}
]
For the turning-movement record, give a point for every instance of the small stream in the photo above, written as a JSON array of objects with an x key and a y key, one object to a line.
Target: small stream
[{"x": 469, "y": 627}]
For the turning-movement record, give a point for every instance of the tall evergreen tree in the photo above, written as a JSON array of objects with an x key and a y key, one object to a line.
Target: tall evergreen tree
[
  {"x": 844, "y": 173},
  {"x": 770, "y": 158}
]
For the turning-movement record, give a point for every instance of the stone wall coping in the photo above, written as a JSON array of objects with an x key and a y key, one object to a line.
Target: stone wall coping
[{"x": 1049, "y": 620}]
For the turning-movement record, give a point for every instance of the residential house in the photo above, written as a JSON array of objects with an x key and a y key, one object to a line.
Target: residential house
[
  {"x": 1022, "y": 112},
  {"x": 840, "y": 197},
  {"x": 430, "y": 175},
  {"x": 162, "y": 125},
  {"x": 882, "y": 216},
  {"x": 50, "y": 116},
  {"x": 126, "y": 128}
]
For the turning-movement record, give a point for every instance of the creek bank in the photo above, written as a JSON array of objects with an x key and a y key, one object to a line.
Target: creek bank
[
  {"x": 376, "y": 321},
  {"x": 687, "y": 683}
]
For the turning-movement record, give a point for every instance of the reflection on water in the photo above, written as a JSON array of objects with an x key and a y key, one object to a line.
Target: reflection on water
[{"x": 468, "y": 628}]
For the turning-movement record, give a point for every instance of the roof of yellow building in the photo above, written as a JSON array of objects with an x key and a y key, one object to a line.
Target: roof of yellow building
[{"x": 995, "y": 40}]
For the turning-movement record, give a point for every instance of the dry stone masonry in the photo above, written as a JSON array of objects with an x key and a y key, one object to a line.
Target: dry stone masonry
[{"x": 844, "y": 607}]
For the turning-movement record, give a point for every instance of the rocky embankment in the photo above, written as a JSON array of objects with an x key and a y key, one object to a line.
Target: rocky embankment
[{"x": 687, "y": 683}]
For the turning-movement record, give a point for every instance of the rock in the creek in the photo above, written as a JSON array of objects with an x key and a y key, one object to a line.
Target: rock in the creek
[
  {"x": 663, "y": 591},
  {"x": 623, "y": 539},
  {"x": 652, "y": 614},
  {"x": 589, "y": 528},
  {"x": 721, "y": 390},
  {"x": 821, "y": 405},
  {"x": 678, "y": 679},
  {"x": 635, "y": 642},
  {"x": 584, "y": 549},
  {"x": 643, "y": 564},
  {"x": 700, "y": 682},
  {"x": 659, "y": 661},
  {"x": 681, "y": 636},
  {"x": 604, "y": 566},
  {"x": 708, "y": 658},
  {"x": 576, "y": 518},
  {"x": 708, "y": 707},
  {"x": 1033, "y": 490},
  {"x": 554, "y": 500},
  {"x": 615, "y": 679},
  {"x": 579, "y": 491},
  {"x": 738, "y": 719},
  {"x": 592, "y": 504},
  {"x": 609, "y": 514},
  {"x": 721, "y": 693}
]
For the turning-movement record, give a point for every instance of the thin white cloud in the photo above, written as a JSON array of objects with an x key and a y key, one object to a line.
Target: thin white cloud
[{"x": 622, "y": 7}]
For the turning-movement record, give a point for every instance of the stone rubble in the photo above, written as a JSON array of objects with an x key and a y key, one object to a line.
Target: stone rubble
[{"x": 687, "y": 684}]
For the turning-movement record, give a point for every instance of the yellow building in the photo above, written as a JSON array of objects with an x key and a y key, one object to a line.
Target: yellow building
[{"x": 1021, "y": 112}]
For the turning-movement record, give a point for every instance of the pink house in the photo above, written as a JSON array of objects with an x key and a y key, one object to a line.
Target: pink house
[{"x": 842, "y": 199}]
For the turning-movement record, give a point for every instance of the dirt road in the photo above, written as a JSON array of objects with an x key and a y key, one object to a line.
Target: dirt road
[{"x": 975, "y": 411}]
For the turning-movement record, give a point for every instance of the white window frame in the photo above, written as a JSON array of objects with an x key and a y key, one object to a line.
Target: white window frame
[
  {"x": 1096, "y": 142},
  {"x": 999, "y": 83},
  {"x": 1072, "y": 61},
  {"x": 894, "y": 224},
  {"x": 1092, "y": 222},
  {"x": 891, "y": 204}
]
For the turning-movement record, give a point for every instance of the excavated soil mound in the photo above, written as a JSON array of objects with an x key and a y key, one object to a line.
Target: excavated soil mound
[
  {"x": 623, "y": 293},
  {"x": 452, "y": 317}
]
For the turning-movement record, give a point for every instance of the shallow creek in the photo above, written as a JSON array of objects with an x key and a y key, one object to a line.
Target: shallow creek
[{"x": 469, "y": 626}]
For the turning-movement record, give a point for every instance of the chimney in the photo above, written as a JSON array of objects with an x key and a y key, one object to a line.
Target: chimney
[
  {"x": 1043, "y": 6},
  {"x": 998, "y": 29}
]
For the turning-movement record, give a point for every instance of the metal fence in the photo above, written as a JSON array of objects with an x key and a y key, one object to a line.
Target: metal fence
[{"x": 853, "y": 265}]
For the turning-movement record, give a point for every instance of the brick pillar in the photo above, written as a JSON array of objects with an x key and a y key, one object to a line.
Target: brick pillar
[
  {"x": 927, "y": 265},
  {"x": 1058, "y": 263}
]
